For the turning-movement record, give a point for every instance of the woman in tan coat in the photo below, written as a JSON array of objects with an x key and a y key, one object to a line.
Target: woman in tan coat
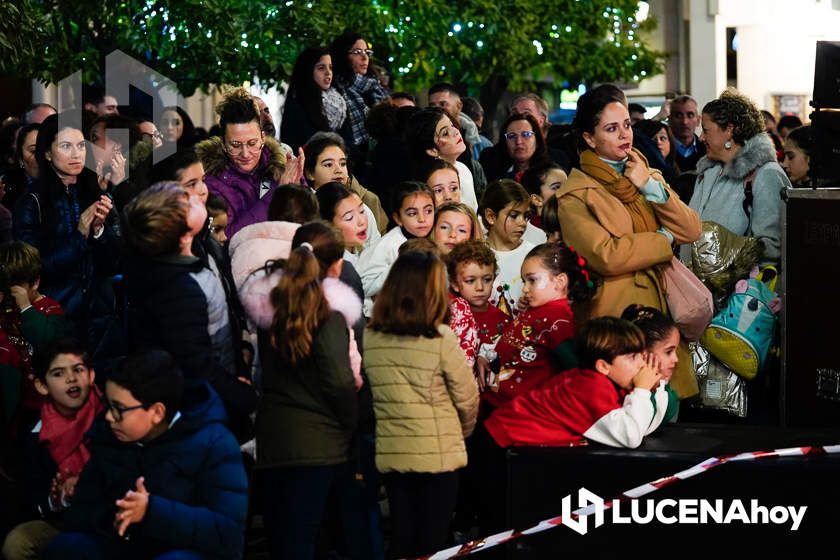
[
  {"x": 425, "y": 399},
  {"x": 621, "y": 216}
]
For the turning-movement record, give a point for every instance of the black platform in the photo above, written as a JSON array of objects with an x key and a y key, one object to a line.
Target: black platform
[{"x": 538, "y": 479}]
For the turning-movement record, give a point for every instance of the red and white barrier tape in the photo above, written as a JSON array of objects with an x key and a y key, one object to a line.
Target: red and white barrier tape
[{"x": 634, "y": 493}]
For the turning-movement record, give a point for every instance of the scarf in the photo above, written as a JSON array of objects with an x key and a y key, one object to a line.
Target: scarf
[
  {"x": 620, "y": 187},
  {"x": 335, "y": 108},
  {"x": 65, "y": 437}
]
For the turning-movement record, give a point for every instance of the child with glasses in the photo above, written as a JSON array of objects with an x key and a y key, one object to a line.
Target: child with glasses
[
  {"x": 165, "y": 475},
  {"x": 57, "y": 448}
]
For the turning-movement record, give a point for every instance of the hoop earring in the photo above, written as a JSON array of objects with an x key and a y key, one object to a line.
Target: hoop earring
[{"x": 727, "y": 145}]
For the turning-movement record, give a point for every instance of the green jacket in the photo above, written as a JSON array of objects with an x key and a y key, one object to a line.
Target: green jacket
[
  {"x": 308, "y": 412},
  {"x": 425, "y": 398}
]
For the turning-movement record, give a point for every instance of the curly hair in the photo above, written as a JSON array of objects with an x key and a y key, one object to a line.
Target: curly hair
[
  {"x": 472, "y": 251},
  {"x": 735, "y": 108},
  {"x": 237, "y": 107}
]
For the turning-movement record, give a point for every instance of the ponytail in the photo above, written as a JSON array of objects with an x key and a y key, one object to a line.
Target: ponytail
[{"x": 298, "y": 299}]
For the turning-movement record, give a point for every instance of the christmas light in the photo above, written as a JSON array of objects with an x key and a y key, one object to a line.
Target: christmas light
[
  {"x": 456, "y": 28},
  {"x": 479, "y": 44}
]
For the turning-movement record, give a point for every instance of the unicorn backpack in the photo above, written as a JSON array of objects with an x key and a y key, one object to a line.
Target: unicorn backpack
[{"x": 741, "y": 333}]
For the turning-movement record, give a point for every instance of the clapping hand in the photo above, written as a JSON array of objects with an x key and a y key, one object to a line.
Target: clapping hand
[{"x": 293, "y": 173}]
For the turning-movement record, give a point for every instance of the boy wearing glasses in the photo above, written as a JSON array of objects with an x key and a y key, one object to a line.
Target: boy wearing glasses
[
  {"x": 57, "y": 448},
  {"x": 165, "y": 476}
]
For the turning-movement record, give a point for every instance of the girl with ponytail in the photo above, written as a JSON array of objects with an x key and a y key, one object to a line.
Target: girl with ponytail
[
  {"x": 539, "y": 342},
  {"x": 309, "y": 410}
]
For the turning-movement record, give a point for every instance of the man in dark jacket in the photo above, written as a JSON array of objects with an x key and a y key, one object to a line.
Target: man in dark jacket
[{"x": 165, "y": 474}]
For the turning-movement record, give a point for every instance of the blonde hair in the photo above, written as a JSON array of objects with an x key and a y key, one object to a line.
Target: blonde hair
[
  {"x": 156, "y": 219},
  {"x": 461, "y": 208}
]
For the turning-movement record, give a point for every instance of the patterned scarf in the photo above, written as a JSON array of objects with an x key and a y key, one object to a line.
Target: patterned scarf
[
  {"x": 620, "y": 187},
  {"x": 335, "y": 108}
]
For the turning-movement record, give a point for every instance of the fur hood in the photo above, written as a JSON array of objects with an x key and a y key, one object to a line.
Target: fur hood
[
  {"x": 756, "y": 152},
  {"x": 254, "y": 245},
  {"x": 256, "y": 291},
  {"x": 212, "y": 154}
]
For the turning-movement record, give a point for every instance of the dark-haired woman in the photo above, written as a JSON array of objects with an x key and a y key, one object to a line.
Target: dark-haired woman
[
  {"x": 244, "y": 166},
  {"x": 359, "y": 84},
  {"x": 177, "y": 128},
  {"x": 65, "y": 217},
  {"x": 620, "y": 215},
  {"x": 431, "y": 133},
  {"x": 312, "y": 103},
  {"x": 521, "y": 145}
]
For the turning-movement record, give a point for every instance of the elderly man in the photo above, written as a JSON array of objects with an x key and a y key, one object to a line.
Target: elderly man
[{"x": 684, "y": 120}]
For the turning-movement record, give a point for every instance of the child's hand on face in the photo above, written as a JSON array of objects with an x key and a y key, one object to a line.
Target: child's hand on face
[
  {"x": 21, "y": 295},
  {"x": 132, "y": 507},
  {"x": 648, "y": 376}
]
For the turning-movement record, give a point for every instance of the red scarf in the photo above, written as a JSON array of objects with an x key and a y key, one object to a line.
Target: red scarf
[{"x": 64, "y": 437}]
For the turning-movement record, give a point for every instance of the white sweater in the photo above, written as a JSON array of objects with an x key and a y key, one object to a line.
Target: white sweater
[
  {"x": 467, "y": 187},
  {"x": 509, "y": 277},
  {"x": 376, "y": 261}
]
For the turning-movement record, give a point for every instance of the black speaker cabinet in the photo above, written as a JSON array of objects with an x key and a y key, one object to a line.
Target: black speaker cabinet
[{"x": 810, "y": 384}]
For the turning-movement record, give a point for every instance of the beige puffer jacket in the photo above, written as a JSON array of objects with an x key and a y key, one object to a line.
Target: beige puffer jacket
[{"x": 425, "y": 398}]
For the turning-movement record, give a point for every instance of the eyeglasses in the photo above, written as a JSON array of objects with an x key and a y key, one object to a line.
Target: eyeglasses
[
  {"x": 252, "y": 146},
  {"x": 368, "y": 52},
  {"x": 118, "y": 411},
  {"x": 447, "y": 131},
  {"x": 155, "y": 134},
  {"x": 525, "y": 134}
]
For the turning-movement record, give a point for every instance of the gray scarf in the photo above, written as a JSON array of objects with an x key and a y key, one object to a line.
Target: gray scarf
[{"x": 335, "y": 108}]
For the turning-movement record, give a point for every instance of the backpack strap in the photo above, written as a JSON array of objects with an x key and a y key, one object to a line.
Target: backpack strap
[{"x": 748, "y": 198}]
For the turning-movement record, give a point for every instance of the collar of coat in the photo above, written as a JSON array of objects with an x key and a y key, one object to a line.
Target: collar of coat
[
  {"x": 757, "y": 151},
  {"x": 212, "y": 154}
]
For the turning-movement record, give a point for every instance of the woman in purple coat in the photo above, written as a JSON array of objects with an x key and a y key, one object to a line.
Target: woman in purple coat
[{"x": 244, "y": 166}]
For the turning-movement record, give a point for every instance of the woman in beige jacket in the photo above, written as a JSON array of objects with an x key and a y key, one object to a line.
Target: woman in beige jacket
[
  {"x": 425, "y": 399},
  {"x": 621, "y": 216}
]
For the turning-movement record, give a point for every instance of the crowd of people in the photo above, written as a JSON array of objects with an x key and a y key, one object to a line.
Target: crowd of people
[{"x": 380, "y": 297}]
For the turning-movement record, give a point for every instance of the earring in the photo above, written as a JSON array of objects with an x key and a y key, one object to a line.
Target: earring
[{"x": 727, "y": 145}]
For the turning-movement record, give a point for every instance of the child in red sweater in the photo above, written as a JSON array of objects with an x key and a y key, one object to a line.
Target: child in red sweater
[
  {"x": 472, "y": 268},
  {"x": 539, "y": 342},
  {"x": 606, "y": 399},
  {"x": 28, "y": 321}
]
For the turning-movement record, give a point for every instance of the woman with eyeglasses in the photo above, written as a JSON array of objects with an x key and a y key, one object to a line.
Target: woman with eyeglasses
[
  {"x": 313, "y": 103},
  {"x": 355, "y": 78},
  {"x": 243, "y": 166},
  {"x": 431, "y": 134},
  {"x": 521, "y": 145},
  {"x": 621, "y": 216}
]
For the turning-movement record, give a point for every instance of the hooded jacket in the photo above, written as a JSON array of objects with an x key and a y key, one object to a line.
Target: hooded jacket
[
  {"x": 719, "y": 194},
  {"x": 241, "y": 190},
  {"x": 193, "y": 472}
]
